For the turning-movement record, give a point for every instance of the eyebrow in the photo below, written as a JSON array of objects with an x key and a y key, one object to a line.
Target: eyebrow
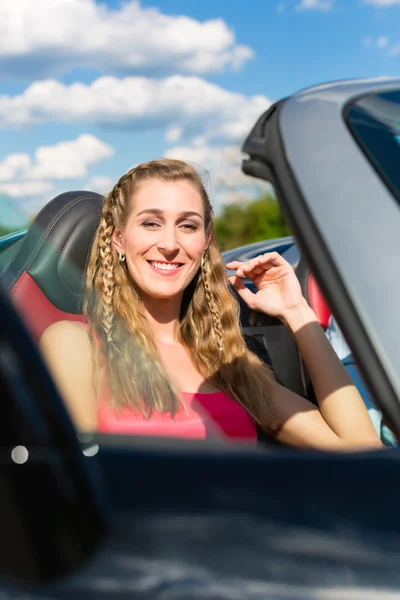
[{"x": 158, "y": 212}]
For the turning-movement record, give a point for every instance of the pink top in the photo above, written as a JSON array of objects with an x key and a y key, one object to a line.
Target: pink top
[{"x": 208, "y": 415}]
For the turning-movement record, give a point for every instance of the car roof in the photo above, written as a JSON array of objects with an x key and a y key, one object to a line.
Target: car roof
[{"x": 343, "y": 90}]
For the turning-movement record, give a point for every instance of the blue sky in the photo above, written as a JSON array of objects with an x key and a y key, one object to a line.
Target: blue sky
[{"x": 89, "y": 89}]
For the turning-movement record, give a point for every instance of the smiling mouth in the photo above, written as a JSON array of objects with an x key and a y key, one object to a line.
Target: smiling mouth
[{"x": 165, "y": 266}]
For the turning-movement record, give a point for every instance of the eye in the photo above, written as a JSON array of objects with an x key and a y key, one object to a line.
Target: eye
[
  {"x": 150, "y": 224},
  {"x": 190, "y": 226}
]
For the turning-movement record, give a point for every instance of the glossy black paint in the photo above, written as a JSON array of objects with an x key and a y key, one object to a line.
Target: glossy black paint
[
  {"x": 192, "y": 520},
  {"x": 52, "y": 508}
]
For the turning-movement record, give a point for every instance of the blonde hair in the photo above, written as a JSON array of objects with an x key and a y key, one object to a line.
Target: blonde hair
[{"x": 125, "y": 350}]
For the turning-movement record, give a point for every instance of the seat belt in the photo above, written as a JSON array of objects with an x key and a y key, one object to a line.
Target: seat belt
[{"x": 277, "y": 348}]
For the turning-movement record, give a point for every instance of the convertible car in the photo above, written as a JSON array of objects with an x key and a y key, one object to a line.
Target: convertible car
[{"x": 97, "y": 516}]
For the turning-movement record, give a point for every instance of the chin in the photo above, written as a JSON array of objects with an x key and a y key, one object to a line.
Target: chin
[{"x": 163, "y": 292}]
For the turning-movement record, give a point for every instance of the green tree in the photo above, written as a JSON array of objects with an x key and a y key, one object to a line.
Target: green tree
[
  {"x": 240, "y": 224},
  {"x": 7, "y": 230}
]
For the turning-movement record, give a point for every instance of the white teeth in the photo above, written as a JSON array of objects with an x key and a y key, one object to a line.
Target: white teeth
[{"x": 165, "y": 266}]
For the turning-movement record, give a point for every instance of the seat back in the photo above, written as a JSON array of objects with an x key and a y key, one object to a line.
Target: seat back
[
  {"x": 312, "y": 293},
  {"x": 317, "y": 301},
  {"x": 46, "y": 275}
]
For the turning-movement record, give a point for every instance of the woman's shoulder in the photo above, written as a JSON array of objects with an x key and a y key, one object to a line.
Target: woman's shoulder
[
  {"x": 66, "y": 350},
  {"x": 67, "y": 327},
  {"x": 66, "y": 334}
]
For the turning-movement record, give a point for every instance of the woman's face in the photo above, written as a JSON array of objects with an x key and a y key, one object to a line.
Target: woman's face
[{"x": 164, "y": 238}]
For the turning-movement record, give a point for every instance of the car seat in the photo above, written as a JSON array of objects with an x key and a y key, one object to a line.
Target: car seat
[
  {"x": 312, "y": 293},
  {"x": 45, "y": 275}
]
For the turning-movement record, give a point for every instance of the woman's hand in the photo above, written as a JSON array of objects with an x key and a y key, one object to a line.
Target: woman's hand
[{"x": 278, "y": 289}]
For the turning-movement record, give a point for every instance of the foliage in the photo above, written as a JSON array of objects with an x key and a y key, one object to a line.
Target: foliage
[
  {"x": 240, "y": 224},
  {"x": 6, "y": 230}
]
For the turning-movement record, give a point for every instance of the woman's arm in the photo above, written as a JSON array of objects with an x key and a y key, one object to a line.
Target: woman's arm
[
  {"x": 342, "y": 421},
  {"x": 66, "y": 349}
]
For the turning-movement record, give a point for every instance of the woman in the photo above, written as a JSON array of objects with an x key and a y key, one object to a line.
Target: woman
[{"x": 162, "y": 350}]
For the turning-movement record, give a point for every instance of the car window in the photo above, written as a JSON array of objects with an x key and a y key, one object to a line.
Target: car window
[{"x": 375, "y": 123}]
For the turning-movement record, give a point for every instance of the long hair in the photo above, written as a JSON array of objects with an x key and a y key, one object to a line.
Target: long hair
[{"x": 125, "y": 351}]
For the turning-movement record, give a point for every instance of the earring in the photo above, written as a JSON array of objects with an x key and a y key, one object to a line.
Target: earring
[
  {"x": 121, "y": 257},
  {"x": 202, "y": 261}
]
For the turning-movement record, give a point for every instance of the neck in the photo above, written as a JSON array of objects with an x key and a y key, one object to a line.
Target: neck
[{"x": 163, "y": 315}]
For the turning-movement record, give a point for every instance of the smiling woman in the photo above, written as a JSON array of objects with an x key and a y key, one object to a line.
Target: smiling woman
[
  {"x": 162, "y": 349},
  {"x": 168, "y": 241}
]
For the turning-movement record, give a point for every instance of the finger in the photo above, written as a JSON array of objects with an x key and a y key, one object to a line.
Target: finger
[
  {"x": 242, "y": 267},
  {"x": 255, "y": 266},
  {"x": 248, "y": 274},
  {"x": 243, "y": 291},
  {"x": 271, "y": 259},
  {"x": 260, "y": 263},
  {"x": 252, "y": 270},
  {"x": 234, "y": 264}
]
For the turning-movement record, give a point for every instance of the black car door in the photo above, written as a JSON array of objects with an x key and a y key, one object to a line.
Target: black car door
[{"x": 122, "y": 517}]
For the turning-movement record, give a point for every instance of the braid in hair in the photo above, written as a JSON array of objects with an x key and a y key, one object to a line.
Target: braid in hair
[
  {"x": 211, "y": 303},
  {"x": 106, "y": 271},
  {"x": 112, "y": 212}
]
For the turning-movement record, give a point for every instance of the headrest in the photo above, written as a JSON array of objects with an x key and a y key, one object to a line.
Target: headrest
[{"x": 55, "y": 248}]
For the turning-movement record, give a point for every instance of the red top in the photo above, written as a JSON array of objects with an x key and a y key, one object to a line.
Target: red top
[{"x": 208, "y": 415}]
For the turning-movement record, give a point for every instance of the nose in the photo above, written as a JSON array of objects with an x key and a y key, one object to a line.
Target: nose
[{"x": 168, "y": 243}]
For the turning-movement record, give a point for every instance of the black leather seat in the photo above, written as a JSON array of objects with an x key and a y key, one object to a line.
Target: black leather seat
[{"x": 45, "y": 276}]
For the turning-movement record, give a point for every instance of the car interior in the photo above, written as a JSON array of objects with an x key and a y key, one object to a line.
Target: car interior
[{"x": 44, "y": 274}]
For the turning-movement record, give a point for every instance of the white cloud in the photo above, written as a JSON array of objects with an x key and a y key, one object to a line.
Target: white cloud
[
  {"x": 23, "y": 176},
  {"x": 189, "y": 105},
  {"x": 65, "y": 160},
  {"x": 51, "y": 36},
  {"x": 26, "y": 188},
  {"x": 395, "y": 50},
  {"x": 382, "y": 3},
  {"x": 224, "y": 165},
  {"x": 382, "y": 42},
  {"x": 99, "y": 184},
  {"x": 173, "y": 134},
  {"x": 322, "y": 5}
]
